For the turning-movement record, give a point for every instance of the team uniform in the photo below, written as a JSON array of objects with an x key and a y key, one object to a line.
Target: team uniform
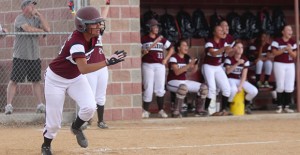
[
  {"x": 177, "y": 82},
  {"x": 153, "y": 70},
  {"x": 173, "y": 80},
  {"x": 260, "y": 64},
  {"x": 98, "y": 80},
  {"x": 230, "y": 42},
  {"x": 235, "y": 79},
  {"x": 63, "y": 76},
  {"x": 213, "y": 71},
  {"x": 284, "y": 71}
]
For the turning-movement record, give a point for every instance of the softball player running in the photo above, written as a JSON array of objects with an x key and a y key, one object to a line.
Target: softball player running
[
  {"x": 213, "y": 71},
  {"x": 64, "y": 75},
  {"x": 284, "y": 50},
  {"x": 237, "y": 69},
  {"x": 179, "y": 64},
  {"x": 153, "y": 67},
  {"x": 262, "y": 50}
]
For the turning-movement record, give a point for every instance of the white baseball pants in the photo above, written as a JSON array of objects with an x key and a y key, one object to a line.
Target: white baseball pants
[
  {"x": 251, "y": 91},
  {"x": 154, "y": 76},
  {"x": 55, "y": 89},
  {"x": 284, "y": 76},
  {"x": 215, "y": 76},
  {"x": 98, "y": 81}
]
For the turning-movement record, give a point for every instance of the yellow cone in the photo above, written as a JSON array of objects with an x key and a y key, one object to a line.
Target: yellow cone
[{"x": 237, "y": 107}]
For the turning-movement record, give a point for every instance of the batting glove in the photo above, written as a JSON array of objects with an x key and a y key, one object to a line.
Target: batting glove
[{"x": 117, "y": 57}]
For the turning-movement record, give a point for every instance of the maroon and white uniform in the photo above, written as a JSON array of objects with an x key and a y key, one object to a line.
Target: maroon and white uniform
[
  {"x": 284, "y": 66},
  {"x": 266, "y": 65},
  {"x": 174, "y": 81},
  {"x": 229, "y": 40},
  {"x": 62, "y": 76},
  {"x": 153, "y": 70},
  {"x": 212, "y": 69},
  {"x": 99, "y": 79},
  {"x": 235, "y": 79}
]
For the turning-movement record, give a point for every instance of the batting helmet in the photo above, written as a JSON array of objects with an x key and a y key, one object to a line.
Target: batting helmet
[
  {"x": 150, "y": 23},
  {"x": 85, "y": 16}
]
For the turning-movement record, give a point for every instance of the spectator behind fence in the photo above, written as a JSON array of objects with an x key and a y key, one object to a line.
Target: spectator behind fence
[
  {"x": 26, "y": 61},
  {"x": 2, "y": 30}
]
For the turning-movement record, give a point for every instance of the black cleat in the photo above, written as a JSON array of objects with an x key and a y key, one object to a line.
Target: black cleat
[
  {"x": 102, "y": 125},
  {"x": 46, "y": 150},
  {"x": 81, "y": 140}
]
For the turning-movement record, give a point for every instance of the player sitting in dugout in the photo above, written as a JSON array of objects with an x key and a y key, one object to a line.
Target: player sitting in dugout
[
  {"x": 179, "y": 64},
  {"x": 236, "y": 70}
]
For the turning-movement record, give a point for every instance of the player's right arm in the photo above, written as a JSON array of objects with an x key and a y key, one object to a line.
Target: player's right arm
[
  {"x": 215, "y": 53},
  {"x": 276, "y": 50}
]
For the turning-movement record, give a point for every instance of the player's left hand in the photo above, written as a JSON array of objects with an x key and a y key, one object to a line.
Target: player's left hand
[
  {"x": 240, "y": 88},
  {"x": 117, "y": 57},
  {"x": 164, "y": 61}
]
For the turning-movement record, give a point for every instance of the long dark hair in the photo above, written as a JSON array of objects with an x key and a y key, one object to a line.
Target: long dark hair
[
  {"x": 258, "y": 40},
  {"x": 178, "y": 43}
]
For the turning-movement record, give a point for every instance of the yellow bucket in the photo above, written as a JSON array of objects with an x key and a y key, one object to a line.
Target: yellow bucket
[{"x": 237, "y": 107}]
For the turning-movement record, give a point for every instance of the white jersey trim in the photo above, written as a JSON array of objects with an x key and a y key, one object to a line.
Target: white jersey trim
[{"x": 78, "y": 48}]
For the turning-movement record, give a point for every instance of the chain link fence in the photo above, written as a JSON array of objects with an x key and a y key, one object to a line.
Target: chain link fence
[{"x": 18, "y": 46}]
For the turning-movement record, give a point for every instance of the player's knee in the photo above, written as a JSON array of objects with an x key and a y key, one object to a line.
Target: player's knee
[
  {"x": 203, "y": 91},
  {"x": 233, "y": 90},
  {"x": 160, "y": 93},
  {"x": 254, "y": 92},
  {"x": 87, "y": 112},
  {"x": 226, "y": 92},
  {"x": 182, "y": 91},
  {"x": 279, "y": 90}
]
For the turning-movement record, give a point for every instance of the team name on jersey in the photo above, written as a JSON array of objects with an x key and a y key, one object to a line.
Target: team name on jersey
[{"x": 157, "y": 47}]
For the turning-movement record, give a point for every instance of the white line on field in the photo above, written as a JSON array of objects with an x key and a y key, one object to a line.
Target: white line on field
[
  {"x": 188, "y": 146},
  {"x": 122, "y": 129}
]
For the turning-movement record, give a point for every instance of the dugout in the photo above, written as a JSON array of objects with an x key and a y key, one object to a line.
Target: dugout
[{"x": 223, "y": 8}]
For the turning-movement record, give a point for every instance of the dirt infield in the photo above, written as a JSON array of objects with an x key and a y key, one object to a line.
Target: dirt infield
[{"x": 261, "y": 134}]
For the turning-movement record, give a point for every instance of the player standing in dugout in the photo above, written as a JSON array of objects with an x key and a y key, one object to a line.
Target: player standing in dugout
[{"x": 153, "y": 67}]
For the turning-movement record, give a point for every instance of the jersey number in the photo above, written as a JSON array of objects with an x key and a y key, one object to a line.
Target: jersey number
[{"x": 160, "y": 55}]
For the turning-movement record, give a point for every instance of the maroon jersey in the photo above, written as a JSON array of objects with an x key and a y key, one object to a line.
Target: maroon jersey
[
  {"x": 229, "y": 40},
  {"x": 181, "y": 62},
  {"x": 254, "y": 49},
  {"x": 98, "y": 54},
  {"x": 280, "y": 44},
  {"x": 214, "y": 60},
  {"x": 76, "y": 46},
  {"x": 155, "y": 54},
  {"x": 237, "y": 72}
]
